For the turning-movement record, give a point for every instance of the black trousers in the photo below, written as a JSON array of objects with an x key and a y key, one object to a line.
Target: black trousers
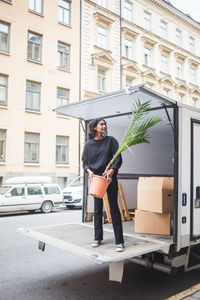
[{"x": 112, "y": 192}]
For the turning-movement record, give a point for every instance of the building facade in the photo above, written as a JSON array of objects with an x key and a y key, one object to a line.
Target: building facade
[
  {"x": 129, "y": 42},
  {"x": 39, "y": 70},
  {"x": 56, "y": 52}
]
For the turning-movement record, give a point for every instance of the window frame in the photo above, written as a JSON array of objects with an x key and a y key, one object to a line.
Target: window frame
[
  {"x": 7, "y": 51},
  {"x": 3, "y": 145},
  {"x": 102, "y": 38},
  {"x": 101, "y": 79},
  {"x": 128, "y": 49},
  {"x": 192, "y": 75},
  {"x": 62, "y": 54},
  {"x": 191, "y": 45},
  {"x": 62, "y": 99},
  {"x": 178, "y": 37},
  {"x": 32, "y": 96},
  {"x": 164, "y": 64},
  {"x": 131, "y": 81},
  {"x": 33, "y": 47},
  {"x": 128, "y": 11},
  {"x": 147, "y": 20},
  {"x": 61, "y": 146},
  {"x": 60, "y": 7},
  {"x": 34, "y": 10},
  {"x": 179, "y": 70},
  {"x": 148, "y": 57},
  {"x": 163, "y": 29},
  {"x": 6, "y": 90},
  {"x": 31, "y": 148}
]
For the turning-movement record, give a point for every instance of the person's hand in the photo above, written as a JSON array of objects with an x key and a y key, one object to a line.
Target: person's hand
[
  {"x": 108, "y": 174},
  {"x": 90, "y": 173}
]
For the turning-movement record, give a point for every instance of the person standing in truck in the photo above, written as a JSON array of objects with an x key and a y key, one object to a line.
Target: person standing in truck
[{"x": 97, "y": 153}]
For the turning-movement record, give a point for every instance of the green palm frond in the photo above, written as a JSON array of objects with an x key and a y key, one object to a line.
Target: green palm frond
[{"x": 137, "y": 131}]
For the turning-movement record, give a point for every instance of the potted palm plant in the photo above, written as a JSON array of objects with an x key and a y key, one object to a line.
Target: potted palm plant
[{"x": 137, "y": 133}]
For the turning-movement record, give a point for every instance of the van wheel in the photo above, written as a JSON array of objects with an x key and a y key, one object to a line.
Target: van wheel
[{"x": 46, "y": 207}]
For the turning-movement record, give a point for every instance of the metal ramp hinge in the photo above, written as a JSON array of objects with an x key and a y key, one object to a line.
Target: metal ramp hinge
[{"x": 41, "y": 246}]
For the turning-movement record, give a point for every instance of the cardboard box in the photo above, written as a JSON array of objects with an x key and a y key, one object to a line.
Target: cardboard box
[
  {"x": 155, "y": 194},
  {"x": 152, "y": 223}
]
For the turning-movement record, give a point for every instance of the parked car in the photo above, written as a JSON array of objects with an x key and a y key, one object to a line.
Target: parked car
[
  {"x": 30, "y": 197},
  {"x": 73, "y": 193}
]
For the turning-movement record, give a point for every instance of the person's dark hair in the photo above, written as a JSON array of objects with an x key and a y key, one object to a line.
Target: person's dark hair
[{"x": 92, "y": 125}]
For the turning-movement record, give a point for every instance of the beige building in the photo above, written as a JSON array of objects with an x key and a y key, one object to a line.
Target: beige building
[
  {"x": 39, "y": 69},
  {"x": 146, "y": 41}
]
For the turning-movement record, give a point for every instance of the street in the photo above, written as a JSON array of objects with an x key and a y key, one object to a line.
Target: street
[{"x": 29, "y": 274}]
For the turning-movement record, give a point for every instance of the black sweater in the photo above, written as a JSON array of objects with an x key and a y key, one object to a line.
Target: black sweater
[{"x": 98, "y": 153}]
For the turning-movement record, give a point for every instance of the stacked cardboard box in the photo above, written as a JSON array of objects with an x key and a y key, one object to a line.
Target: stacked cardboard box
[{"x": 155, "y": 205}]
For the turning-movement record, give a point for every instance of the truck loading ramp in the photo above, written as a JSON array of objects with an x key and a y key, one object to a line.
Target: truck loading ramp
[{"x": 76, "y": 238}]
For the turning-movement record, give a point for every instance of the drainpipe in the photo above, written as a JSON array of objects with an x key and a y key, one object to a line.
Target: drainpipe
[
  {"x": 120, "y": 24},
  {"x": 79, "y": 127}
]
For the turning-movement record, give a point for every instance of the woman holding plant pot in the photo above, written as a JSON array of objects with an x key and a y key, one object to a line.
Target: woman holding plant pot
[{"x": 97, "y": 153}]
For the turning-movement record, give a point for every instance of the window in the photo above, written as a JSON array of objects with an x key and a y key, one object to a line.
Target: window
[
  {"x": 34, "y": 190},
  {"x": 64, "y": 12},
  {"x": 128, "y": 13},
  {"x": 101, "y": 36},
  {"x": 62, "y": 149},
  {"x": 129, "y": 81},
  {"x": 147, "y": 56},
  {"x": 191, "y": 44},
  {"x": 179, "y": 67},
  {"x": 4, "y": 37},
  {"x": 36, "y": 6},
  {"x": 3, "y": 89},
  {"x": 2, "y": 145},
  {"x": 178, "y": 37},
  {"x": 62, "y": 96},
  {"x": 34, "y": 47},
  {"x": 166, "y": 92},
  {"x": 17, "y": 192},
  {"x": 31, "y": 147},
  {"x": 194, "y": 102},
  {"x": 192, "y": 75},
  {"x": 63, "y": 56},
  {"x": 101, "y": 79},
  {"x": 164, "y": 63},
  {"x": 49, "y": 190},
  {"x": 163, "y": 29},
  {"x": 128, "y": 48},
  {"x": 33, "y": 95},
  {"x": 181, "y": 97},
  {"x": 147, "y": 20},
  {"x": 102, "y": 3}
]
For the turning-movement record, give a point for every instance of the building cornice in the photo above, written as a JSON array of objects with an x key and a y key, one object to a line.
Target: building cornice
[
  {"x": 176, "y": 13},
  {"x": 129, "y": 32},
  {"x": 103, "y": 19}
]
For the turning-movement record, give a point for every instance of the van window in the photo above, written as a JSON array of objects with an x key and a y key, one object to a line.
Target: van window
[
  {"x": 51, "y": 190},
  {"x": 17, "y": 192},
  {"x": 34, "y": 190}
]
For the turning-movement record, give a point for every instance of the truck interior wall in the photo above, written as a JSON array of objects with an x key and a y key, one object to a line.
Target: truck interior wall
[{"x": 154, "y": 159}]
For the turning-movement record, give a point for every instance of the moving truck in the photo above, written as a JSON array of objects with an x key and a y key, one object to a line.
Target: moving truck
[{"x": 173, "y": 152}]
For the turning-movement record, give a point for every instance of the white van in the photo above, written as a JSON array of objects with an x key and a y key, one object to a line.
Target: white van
[
  {"x": 30, "y": 196},
  {"x": 73, "y": 193}
]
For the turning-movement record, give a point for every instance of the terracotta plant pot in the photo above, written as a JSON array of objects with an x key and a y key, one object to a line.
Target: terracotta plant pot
[{"x": 98, "y": 186}]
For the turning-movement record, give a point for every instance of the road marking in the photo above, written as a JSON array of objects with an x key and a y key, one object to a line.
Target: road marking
[{"x": 185, "y": 293}]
